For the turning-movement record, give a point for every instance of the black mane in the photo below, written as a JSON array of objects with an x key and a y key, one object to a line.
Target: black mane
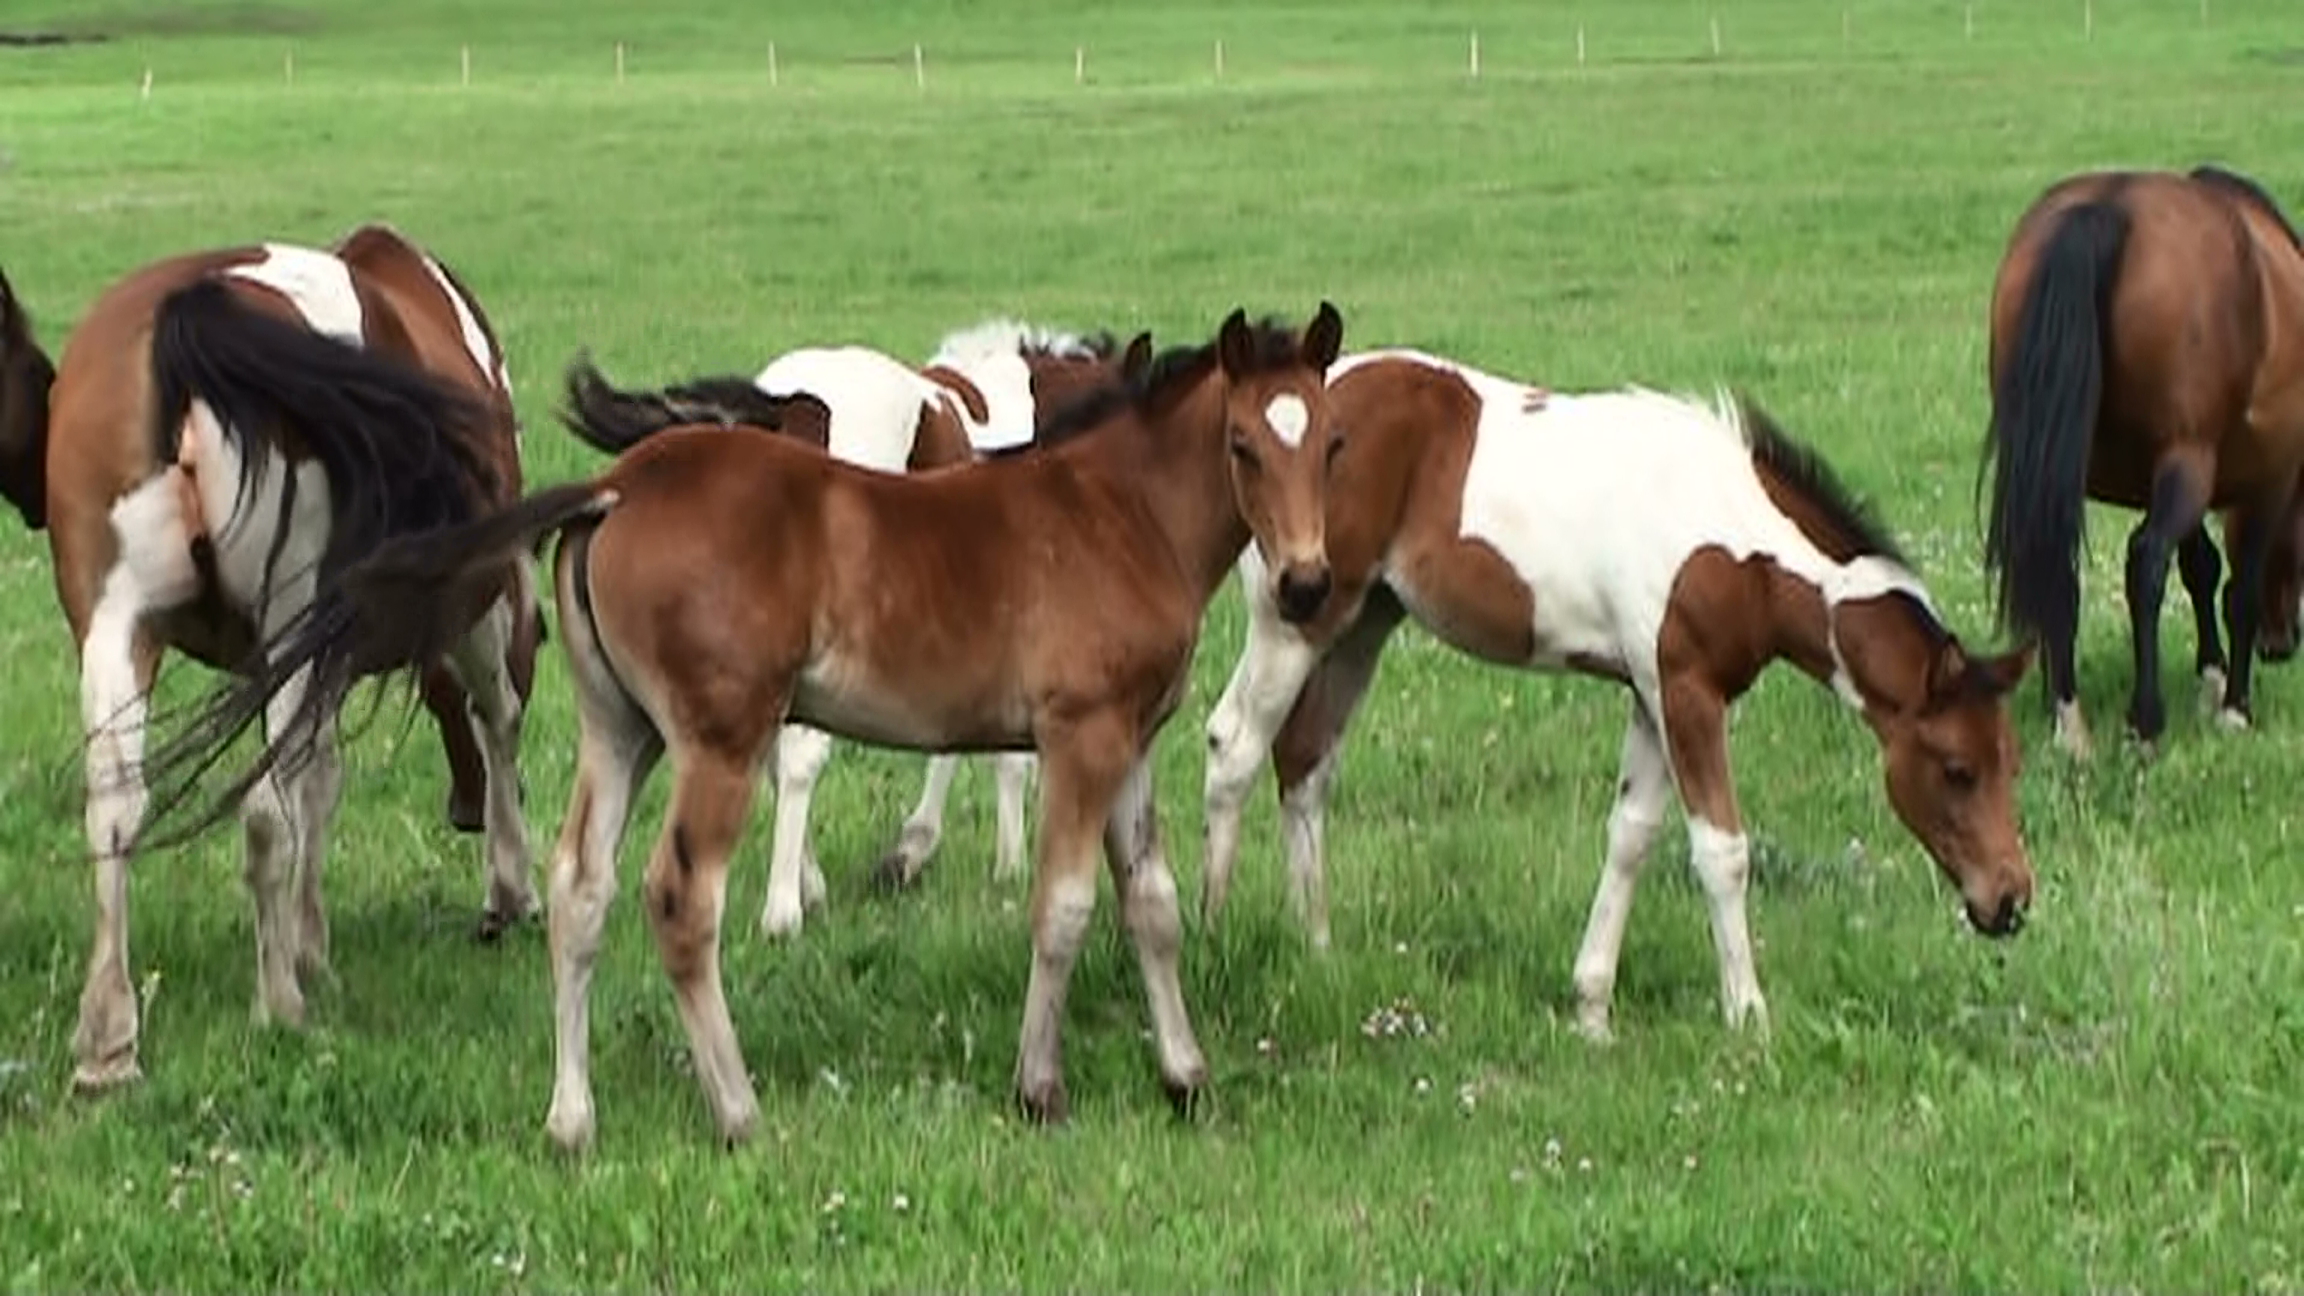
[
  {"x": 1806, "y": 474},
  {"x": 1172, "y": 370},
  {"x": 2248, "y": 191}
]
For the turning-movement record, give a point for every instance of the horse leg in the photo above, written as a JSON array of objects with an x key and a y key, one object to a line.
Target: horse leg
[
  {"x": 2179, "y": 499},
  {"x": 801, "y": 753},
  {"x": 118, "y": 658},
  {"x": 1083, "y": 765},
  {"x": 2197, "y": 562},
  {"x": 274, "y": 821},
  {"x": 923, "y": 828},
  {"x": 2243, "y": 609},
  {"x": 686, "y": 887},
  {"x": 615, "y": 750},
  {"x": 322, "y": 790},
  {"x": 1273, "y": 667},
  {"x": 1148, "y": 913},
  {"x": 1012, "y": 775},
  {"x": 481, "y": 662},
  {"x": 467, "y": 770},
  {"x": 1643, "y": 783},
  {"x": 616, "y": 746},
  {"x": 1696, "y": 734},
  {"x": 1305, "y": 751},
  {"x": 2062, "y": 684}
]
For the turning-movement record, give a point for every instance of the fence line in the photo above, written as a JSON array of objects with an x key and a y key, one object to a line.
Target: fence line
[{"x": 1720, "y": 40}]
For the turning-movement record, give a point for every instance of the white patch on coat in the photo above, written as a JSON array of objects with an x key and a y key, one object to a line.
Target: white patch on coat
[
  {"x": 876, "y": 400},
  {"x": 318, "y": 284},
  {"x": 990, "y": 355},
  {"x": 244, "y": 530},
  {"x": 476, "y": 344},
  {"x": 1597, "y": 500},
  {"x": 1289, "y": 418}
]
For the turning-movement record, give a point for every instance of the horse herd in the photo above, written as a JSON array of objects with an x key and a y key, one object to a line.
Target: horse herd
[{"x": 303, "y": 467}]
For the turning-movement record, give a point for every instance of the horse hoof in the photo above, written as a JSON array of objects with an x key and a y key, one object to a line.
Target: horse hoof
[
  {"x": 467, "y": 812},
  {"x": 103, "y": 1075},
  {"x": 2231, "y": 719},
  {"x": 1184, "y": 1096},
  {"x": 1592, "y": 1024},
  {"x": 493, "y": 924},
  {"x": 1048, "y": 1107},
  {"x": 893, "y": 874}
]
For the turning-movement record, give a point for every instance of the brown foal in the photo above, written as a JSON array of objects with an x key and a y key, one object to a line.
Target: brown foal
[{"x": 712, "y": 587}]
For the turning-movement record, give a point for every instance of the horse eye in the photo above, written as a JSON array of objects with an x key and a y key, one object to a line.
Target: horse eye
[
  {"x": 1335, "y": 447},
  {"x": 1242, "y": 452},
  {"x": 1961, "y": 776}
]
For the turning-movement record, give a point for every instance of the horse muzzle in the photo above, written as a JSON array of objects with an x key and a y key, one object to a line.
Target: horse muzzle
[{"x": 1301, "y": 591}]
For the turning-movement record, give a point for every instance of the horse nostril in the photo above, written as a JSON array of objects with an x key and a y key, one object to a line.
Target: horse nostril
[
  {"x": 2009, "y": 919},
  {"x": 1302, "y": 593}
]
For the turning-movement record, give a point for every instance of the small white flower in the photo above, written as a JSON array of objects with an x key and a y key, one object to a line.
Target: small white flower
[{"x": 900, "y": 1203}]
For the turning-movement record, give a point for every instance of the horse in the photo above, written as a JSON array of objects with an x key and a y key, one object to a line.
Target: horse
[
  {"x": 713, "y": 587},
  {"x": 1673, "y": 547},
  {"x": 226, "y": 432},
  {"x": 26, "y": 374},
  {"x": 2144, "y": 353},
  {"x": 987, "y": 390}
]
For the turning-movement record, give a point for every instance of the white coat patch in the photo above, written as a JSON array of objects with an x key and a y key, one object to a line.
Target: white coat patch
[
  {"x": 475, "y": 337},
  {"x": 875, "y": 400},
  {"x": 1288, "y": 418},
  {"x": 990, "y": 355},
  {"x": 1597, "y": 500},
  {"x": 317, "y": 284}
]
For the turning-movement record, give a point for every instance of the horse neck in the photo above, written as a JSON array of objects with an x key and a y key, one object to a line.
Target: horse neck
[
  {"x": 1864, "y": 628},
  {"x": 1177, "y": 464}
]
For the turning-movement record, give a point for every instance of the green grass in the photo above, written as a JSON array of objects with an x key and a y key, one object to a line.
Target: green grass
[{"x": 2110, "y": 1101}]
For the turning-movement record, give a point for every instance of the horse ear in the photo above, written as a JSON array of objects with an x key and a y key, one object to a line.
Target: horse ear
[
  {"x": 1947, "y": 667},
  {"x": 1324, "y": 339},
  {"x": 1236, "y": 345},
  {"x": 1137, "y": 360},
  {"x": 2007, "y": 670}
]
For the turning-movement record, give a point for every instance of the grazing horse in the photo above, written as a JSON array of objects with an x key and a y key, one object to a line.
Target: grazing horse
[
  {"x": 1674, "y": 548},
  {"x": 2146, "y": 353},
  {"x": 712, "y": 587},
  {"x": 227, "y": 431},
  {"x": 988, "y": 390}
]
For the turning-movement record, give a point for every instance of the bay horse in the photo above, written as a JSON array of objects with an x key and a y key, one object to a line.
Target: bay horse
[
  {"x": 713, "y": 587},
  {"x": 1675, "y": 548},
  {"x": 226, "y": 432},
  {"x": 2146, "y": 352},
  {"x": 987, "y": 390}
]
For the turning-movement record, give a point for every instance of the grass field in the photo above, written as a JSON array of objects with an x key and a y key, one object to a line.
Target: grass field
[{"x": 1814, "y": 214}]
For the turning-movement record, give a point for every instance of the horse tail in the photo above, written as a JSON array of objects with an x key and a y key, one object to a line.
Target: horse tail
[
  {"x": 613, "y": 421},
  {"x": 401, "y": 448},
  {"x": 403, "y": 604},
  {"x": 2044, "y": 409}
]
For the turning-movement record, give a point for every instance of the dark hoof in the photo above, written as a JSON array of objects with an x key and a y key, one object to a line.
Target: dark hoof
[
  {"x": 1050, "y": 1108},
  {"x": 493, "y": 925},
  {"x": 466, "y": 815},
  {"x": 891, "y": 877},
  {"x": 1185, "y": 1099}
]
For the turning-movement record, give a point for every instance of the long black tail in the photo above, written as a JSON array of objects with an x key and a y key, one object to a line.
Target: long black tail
[
  {"x": 2044, "y": 410},
  {"x": 403, "y": 604},
  {"x": 613, "y": 421},
  {"x": 25, "y": 377},
  {"x": 403, "y": 450}
]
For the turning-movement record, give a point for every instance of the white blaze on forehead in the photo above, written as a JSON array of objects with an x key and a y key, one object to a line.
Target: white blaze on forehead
[
  {"x": 317, "y": 284},
  {"x": 1288, "y": 418},
  {"x": 468, "y": 322}
]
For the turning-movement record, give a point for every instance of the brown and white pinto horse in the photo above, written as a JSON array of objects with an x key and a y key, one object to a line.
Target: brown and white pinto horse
[
  {"x": 1641, "y": 538},
  {"x": 988, "y": 390},
  {"x": 712, "y": 587},
  {"x": 227, "y": 431},
  {"x": 2148, "y": 351}
]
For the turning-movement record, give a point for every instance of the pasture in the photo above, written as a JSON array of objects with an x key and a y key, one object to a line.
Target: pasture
[{"x": 1813, "y": 214}]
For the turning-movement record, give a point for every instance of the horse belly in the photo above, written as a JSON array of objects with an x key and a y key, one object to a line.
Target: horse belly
[{"x": 934, "y": 711}]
